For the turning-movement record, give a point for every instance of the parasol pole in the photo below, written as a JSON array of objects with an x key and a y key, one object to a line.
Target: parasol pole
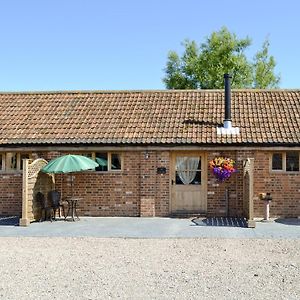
[
  {"x": 71, "y": 184},
  {"x": 61, "y": 186}
]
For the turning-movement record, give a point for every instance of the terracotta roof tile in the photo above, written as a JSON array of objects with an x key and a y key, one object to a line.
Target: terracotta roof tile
[{"x": 149, "y": 117}]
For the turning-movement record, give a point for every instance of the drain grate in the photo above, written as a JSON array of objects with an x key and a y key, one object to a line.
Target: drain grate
[
  {"x": 221, "y": 221},
  {"x": 9, "y": 221}
]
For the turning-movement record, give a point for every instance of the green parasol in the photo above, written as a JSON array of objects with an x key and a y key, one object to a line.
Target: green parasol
[{"x": 69, "y": 163}]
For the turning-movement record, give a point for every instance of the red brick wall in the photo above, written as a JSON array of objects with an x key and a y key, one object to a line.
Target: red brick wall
[
  {"x": 284, "y": 188},
  {"x": 106, "y": 193},
  {"x": 11, "y": 194},
  {"x": 154, "y": 187},
  {"x": 216, "y": 199},
  {"x": 139, "y": 191},
  {"x": 135, "y": 191}
]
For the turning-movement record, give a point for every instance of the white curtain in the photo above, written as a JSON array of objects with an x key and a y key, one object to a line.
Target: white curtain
[{"x": 187, "y": 168}]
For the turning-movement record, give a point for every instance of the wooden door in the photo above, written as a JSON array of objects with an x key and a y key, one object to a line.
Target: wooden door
[{"x": 188, "y": 183}]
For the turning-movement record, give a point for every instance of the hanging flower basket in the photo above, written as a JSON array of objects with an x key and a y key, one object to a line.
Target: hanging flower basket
[{"x": 222, "y": 168}]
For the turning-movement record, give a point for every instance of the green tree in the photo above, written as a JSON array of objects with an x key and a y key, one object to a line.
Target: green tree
[
  {"x": 264, "y": 65},
  {"x": 180, "y": 71},
  {"x": 203, "y": 67}
]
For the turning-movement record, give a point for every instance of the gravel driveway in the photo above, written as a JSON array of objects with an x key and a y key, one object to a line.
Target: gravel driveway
[{"x": 101, "y": 268}]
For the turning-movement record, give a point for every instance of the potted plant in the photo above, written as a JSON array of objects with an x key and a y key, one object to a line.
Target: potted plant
[{"x": 222, "y": 168}]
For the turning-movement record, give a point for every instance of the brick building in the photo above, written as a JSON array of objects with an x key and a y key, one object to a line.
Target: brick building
[{"x": 144, "y": 136}]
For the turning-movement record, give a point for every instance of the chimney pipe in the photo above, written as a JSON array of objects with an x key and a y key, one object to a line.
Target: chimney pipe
[
  {"x": 227, "y": 120},
  {"x": 227, "y": 128}
]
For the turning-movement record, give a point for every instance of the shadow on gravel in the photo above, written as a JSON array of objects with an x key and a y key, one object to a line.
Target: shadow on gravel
[
  {"x": 221, "y": 221},
  {"x": 289, "y": 221},
  {"x": 9, "y": 221}
]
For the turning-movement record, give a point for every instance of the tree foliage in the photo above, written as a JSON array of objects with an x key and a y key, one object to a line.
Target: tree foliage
[
  {"x": 203, "y": 67},
  {"x": 264, "y": 65}
]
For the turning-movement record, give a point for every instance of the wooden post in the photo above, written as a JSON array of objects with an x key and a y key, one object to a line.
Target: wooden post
[
  {"x": 267, "y": 211},
  {"x": 227, "y": 201},
  {"x": 31, "y": 170},
  {"x": 251, "y": 222},
  {"x": 24, "y": 221},
  {"x": 248, "y": 192}
]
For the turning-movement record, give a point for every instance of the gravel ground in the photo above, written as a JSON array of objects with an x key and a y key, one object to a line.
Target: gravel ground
[{"x": 101, "y": 268}]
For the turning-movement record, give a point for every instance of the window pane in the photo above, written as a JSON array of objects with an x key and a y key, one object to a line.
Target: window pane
[
  {"x": 292, "y": 161},
  {"x": 101, "y": 159},
  {"x": 86, "y": 154},
  {"x": 23, "y": 156},
  {"x": 116, "y": 161},
  {"x": 12, "y": 161},
  {"x": 277, "y": 161},
  {"x": 197, "y": 179},
  {"x": 187, "y": 170},
  {"x": 1, "y": 165},
  {"x": 182, "y": 176},
  {"x": 188, "y": 163}
]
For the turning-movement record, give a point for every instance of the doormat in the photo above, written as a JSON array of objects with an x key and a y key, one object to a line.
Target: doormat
[
  {"x": 9, "y": 221},
  {"x": 221, "y": 221}
]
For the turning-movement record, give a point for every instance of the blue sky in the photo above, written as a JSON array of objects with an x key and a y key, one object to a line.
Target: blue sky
[{"x": 115, "y": 45}]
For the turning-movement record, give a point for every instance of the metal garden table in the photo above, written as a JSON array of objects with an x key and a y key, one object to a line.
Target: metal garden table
[{"x": 72, "y": 207}]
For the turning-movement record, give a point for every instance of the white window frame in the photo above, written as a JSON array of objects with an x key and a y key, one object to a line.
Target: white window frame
[
  {"x": 109, "y": 154},
  {"x": 283, "y": 170},
  {"x": 5, "y": 162}
]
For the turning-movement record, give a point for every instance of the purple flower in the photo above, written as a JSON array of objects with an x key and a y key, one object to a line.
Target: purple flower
[{"x": 222, "y": 168}]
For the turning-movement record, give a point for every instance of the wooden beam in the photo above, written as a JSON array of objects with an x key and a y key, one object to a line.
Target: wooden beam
[{"x": 24, "y": 221}]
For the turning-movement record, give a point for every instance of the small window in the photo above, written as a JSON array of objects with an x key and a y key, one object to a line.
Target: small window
[
  {"x": 102, "y": 161},
  {"x": 1, "y": 161},
  {"x": 292, "y": 161},
  {"x": 14, "y": 160},
  {"x": 11, "y": 159},
  {"x": 23, "y": 156},
  {"x": 108, "y": 161},
  {"x": 188, "y": 170},
  {"x": 286, "y": 161},
  {"x": 86, "y": 154},
  {"x": 277, "y": 161},
  {"x": 116, "y": 161}
]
